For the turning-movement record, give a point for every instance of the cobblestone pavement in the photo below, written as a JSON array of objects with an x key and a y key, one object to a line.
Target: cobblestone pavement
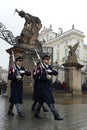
[{"x": 73, "y": 110}]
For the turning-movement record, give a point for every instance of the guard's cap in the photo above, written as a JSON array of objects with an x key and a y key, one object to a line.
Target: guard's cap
[
  {"x": 46, "y": 56},
  {"x": 19, "y": 58}
]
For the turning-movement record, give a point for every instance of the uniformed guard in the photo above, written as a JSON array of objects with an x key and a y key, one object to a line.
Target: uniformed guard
[
  {"x": 43, "y": 82},
  {"x": 16, "y": 74},
  {"x": 34, "y": 94}
]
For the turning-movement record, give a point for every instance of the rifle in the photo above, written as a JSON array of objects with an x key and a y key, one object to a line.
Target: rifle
[
  {"x": 15, "y": 67},
  {"x": 41, "y": 61},
  {"x": 34, "y": 62}
]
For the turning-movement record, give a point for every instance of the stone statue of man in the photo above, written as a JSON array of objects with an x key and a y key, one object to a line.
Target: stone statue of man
[{"x": 31, "y": 28}]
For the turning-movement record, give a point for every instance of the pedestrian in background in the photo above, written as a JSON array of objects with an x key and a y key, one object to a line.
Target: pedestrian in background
[{"x": 35, "y": 93}]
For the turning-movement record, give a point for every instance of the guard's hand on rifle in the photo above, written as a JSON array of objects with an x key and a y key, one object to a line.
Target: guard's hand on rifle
[
  {"x": 21, "y": 71},
  {"x": 49, "y": 70},
  {"x": 18, "y": 77},
  {"x": 48, "y": 76}
]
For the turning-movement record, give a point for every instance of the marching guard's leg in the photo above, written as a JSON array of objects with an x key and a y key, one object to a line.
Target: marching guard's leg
[
  {"x": 34, "y": 105},
  {"x": 37, "y": 111},
  {"x": 55, "y": 112},
  {"x": 10, "y": 111},
  {"x": 19, "y": 110}
]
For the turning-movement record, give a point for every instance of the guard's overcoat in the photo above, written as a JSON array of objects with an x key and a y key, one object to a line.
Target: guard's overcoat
[
  {"x": 42, "y": 85},
  {"x": 16, "y": 85}
]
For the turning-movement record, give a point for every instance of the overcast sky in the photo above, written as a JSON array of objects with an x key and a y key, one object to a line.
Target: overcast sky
[{"x": 58, "y": 13}]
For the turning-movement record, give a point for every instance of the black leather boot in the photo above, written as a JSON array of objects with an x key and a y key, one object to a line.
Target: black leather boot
[
  {"x": 55, "y": 112},
  {"x": 57, "y": 117},
  {"x": 21, "y": 114},
  {"x": 10, "y": 111},
  {"x": 37, "y": 115},
  {"x": 37, "y": 112}
]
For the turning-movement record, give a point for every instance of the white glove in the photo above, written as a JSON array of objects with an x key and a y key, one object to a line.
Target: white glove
[
  {"x": 18, "y": 77},
  {"x": 21, "y": 71},
  {"x": 49, "y": 71},
  {"x": 48, "y": 77}
]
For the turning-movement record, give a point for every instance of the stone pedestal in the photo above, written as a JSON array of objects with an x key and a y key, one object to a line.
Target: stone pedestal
[{"x": 74, "y": 78}]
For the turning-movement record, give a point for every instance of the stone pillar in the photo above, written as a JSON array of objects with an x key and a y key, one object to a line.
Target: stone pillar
[
  {"x": 74, "y": 77},
  {"x": 75, "y": 80}
]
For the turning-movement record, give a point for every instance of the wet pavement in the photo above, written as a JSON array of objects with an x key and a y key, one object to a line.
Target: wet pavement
[{"x": 72, "y": 109}]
